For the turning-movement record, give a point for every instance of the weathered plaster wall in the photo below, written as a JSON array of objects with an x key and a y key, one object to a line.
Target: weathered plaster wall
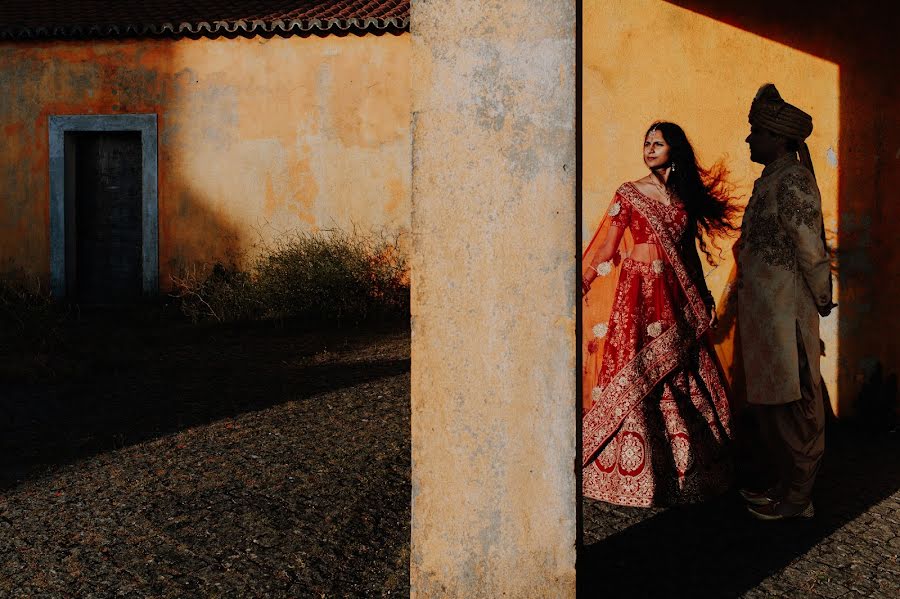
[
  {"x": 699, "y": 63},
  {"x": 493, "y": 299},
  {"x": 860, "y": 39},
  {"x": 256, "y": 136}
]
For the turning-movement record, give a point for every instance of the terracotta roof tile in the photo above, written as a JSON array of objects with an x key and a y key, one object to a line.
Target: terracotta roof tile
[{"x": 36, "y": 19}]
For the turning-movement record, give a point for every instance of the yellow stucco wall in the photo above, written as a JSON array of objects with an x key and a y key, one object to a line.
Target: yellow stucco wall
[
  {"x": 256, "y": 136},
  {"x": 647, "y": 60},
  {"x": 493, "y": 300}
]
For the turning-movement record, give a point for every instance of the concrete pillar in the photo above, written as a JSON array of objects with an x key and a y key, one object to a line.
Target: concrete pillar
[{"x": 493, "y": 299}]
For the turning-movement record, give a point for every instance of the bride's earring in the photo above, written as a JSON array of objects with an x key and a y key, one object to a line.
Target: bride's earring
[{"x": 673, "y": 167}]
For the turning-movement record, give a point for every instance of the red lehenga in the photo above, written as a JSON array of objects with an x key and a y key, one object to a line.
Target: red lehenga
[{"x": 656, "y": 429}]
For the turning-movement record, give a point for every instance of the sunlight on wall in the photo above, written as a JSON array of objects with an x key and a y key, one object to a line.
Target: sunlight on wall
[
  {"x": 646, "y": 60},
  {"x": 256, "y": 136},
  {"x": 283, "y": 134}
]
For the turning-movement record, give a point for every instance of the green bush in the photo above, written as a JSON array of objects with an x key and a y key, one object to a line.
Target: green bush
[{"x": 327, "y": 277}]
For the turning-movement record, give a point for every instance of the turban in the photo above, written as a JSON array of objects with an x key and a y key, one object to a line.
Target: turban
[{"x": 770, "y": 112}]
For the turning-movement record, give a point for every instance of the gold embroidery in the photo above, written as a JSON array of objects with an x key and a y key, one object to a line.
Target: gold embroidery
[
  {"x": 763, "y": 235},
  {"x": 800, "y": 207},
  {"x": 661, "y": 219},
  {"x": 646, "y": 369},
  {"x": 604, "y": 268},
  {"x": 767, "y": 239}
]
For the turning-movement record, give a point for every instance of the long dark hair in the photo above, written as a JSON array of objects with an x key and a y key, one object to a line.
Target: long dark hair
[{"x": 707, "y": 195}]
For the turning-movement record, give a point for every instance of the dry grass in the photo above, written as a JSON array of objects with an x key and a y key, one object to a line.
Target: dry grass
[
  {"x": 28, "y": 315},
  {"x": 331, "y": 276}
]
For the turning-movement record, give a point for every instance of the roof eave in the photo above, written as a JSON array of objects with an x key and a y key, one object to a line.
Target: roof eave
[{"x": 214, "y": 29}]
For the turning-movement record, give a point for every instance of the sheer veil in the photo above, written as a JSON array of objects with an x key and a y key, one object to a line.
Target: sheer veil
[{"x": 597, "y": 303}]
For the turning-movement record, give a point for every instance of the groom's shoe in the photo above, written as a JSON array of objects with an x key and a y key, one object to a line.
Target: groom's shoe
[
  {"x": 758, "y": 497},
  {"x": 781, "y": 510}
]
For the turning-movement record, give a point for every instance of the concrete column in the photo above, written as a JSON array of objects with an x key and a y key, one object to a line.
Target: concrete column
[{"x": 493, "y": 299}]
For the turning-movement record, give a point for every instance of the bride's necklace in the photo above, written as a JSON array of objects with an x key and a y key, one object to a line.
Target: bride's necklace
[{"x": 662, "y": 189}]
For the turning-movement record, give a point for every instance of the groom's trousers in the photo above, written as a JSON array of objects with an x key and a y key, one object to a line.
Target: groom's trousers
[{"x": 795, "y": 434}]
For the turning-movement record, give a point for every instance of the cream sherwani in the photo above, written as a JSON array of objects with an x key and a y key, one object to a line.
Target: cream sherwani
[{"x": 783, "y": 273}]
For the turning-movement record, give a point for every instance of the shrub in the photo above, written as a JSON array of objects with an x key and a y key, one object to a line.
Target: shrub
[
  {"x": 226, "y": 294},
  {"x": 28, "y": 315},
  {"x": 327, "y": 277}
]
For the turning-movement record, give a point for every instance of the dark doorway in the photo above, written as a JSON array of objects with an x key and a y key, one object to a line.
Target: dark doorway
[{"x": 107, "y": 217}]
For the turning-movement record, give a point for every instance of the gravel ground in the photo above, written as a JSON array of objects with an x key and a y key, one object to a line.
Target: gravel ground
[
  {"x": 850, "y": 549},
  {"x": 266, "y": 492},
  {"x": 225, "y": 462}
]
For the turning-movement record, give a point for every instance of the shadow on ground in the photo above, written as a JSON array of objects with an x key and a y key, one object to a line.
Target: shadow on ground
[
  {"x": 717, "y": 550},
  {"x": 109, "y": 384},
  {"x": 276, "y": 464}
]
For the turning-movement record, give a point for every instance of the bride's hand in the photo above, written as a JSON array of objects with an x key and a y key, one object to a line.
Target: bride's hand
[{"x": 587, "y": 277}]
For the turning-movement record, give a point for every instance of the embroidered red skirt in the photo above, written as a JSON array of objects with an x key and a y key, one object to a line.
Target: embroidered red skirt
[{"x": 671, "y": 446}]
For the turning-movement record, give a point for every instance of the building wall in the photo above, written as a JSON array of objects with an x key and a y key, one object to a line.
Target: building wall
[
  {"x": 699, "y": 64},
  {"x": 256, "y": 136},
  {"x": 493, "y": 300}
]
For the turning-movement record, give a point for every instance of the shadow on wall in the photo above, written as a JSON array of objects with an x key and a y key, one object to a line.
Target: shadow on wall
[
  {"x": 861, "y": 39},
  {"x": 58, "y": 417},
  {"x": 194, "y": 237},
  {"x": 112, "y": 381},
  {"x": 193, "y": 233},
  {"x": 715, "y": 549},
  {"x": 98, "y": 78}
]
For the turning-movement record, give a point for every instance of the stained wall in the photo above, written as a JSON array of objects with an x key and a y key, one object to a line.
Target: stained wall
[
  {"x": 493, "y": 299},
  {"x": 699, "y": 63},
  {"x": 256, "y": 136}
]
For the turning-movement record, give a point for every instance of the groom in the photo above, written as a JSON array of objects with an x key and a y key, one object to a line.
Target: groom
[{"x": 784, "y": 285}]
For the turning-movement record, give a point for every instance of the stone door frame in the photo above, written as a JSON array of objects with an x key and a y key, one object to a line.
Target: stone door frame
[{"x": 146, "y": 125}]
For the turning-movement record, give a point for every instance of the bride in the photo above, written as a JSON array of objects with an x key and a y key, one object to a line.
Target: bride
[{"x": 656, "y": 420}]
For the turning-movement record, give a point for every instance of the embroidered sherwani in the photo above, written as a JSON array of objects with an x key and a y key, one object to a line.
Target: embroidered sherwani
[{"x": 783, "y": 273}]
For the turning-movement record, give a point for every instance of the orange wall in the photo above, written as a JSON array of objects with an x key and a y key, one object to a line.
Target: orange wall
[
  {"x": 256, "y": 136},
  {"x": 699, "y": 63}
]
